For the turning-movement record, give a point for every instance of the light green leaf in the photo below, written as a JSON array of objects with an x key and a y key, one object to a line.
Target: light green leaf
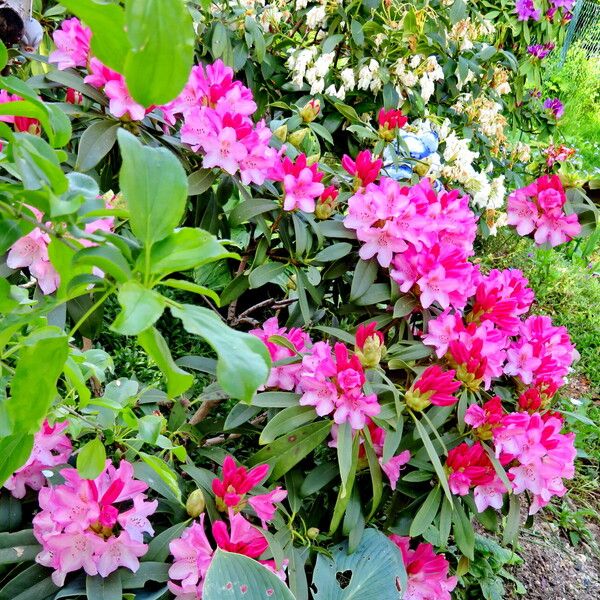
[
  {"x": 141, "y": 309},
  {"x": 244, "y": 361},
  {"x": 154, "y": 185},
  {"x": 285, "y": 421},
  {"x": 91, "y": 459},
  {"x": 14, "y": 452}
]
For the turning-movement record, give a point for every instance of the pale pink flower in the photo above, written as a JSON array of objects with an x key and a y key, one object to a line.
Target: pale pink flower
[
  {"x": 121, "y": 103},
  {"x": 72, "y": 41},
  {"x": 225, "y": 151},
  {"x": 393, "y": 466}
]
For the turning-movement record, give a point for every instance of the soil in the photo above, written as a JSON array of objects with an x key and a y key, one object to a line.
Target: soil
[{"x": 555, "y": 570}]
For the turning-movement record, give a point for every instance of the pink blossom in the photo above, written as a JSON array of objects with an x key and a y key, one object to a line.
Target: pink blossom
[
  {"x": 72, "y": 45},
  {"x": 434, "y": 386},
  {"x": 364, "y": 168},
  {"x": 84, "y": 525},
  {"x": 392, "y": 467},
  {"x": 442, "y": 330},
  {"x": 121, "y": 103},
  {"x": 427, "y": 572},
  {"x": 301, "y": 183},
  {"x": 264, "y": 504},
  {"x": 236, "y": 482},
  {"x": 100, "y": 74},
  {"x": 225, "y": 151},
  {"x": 490, "y": 494},
  {"x": 51, "y": 447},
  {"x": 242, "y": 537}
]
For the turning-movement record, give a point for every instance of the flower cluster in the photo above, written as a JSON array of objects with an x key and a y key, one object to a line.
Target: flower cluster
[
  {"x": 539, "y": 208},
  {"x": 232, "y": 490},
  {"x": 51, "y": 448},
  {"x": 193, "y": 551},
  {"x": 540, "y": 51},
  {"x": 96, "y": 525},
  {"x": 425, "y": 238},
  {"x": 435, "y": 386},
  {"x": 427, "y": 571},
  {"x": 557, "y": 154}
]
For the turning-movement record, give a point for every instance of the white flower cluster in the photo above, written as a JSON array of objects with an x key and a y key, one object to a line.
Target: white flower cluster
[
  {"x": 307, "y": 64},
  {"x": 316, "y": 17},
  {"x": 419, "y": 69},
  {"x": 368, "y": 76}
]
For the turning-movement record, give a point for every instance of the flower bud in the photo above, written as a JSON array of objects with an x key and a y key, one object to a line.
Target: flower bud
[
  {"x": 326, "y": 203},
  {"x": 312, "y": 533},
  {"x": 297, "y": 137},
  {"x": 312, "y": 159},
  {"x": 281, "y": 132},
  {"x": 74, "y": 97},
  {"x": 195, "y": 504},
  {"x": 310, "y": 111},
  {"x": 416, "y": 400},
  {"x": 28, "y": 125},
  {"x": 372, "y": 352}
]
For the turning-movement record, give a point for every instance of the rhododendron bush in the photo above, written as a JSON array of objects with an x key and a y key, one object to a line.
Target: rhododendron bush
[{"x": 329, "y": 394}]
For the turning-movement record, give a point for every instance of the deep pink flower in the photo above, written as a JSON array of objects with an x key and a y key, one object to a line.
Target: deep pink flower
[
  {"x": 301, "y": 183},
  {"x": 391, "y": 119},
  {"x": 264, "y": 504},
  {"x": 242, "y": 537},
  {"x": 236, "y": 482},
  {"x": 434, "y": 386},
  {"x": 364, "y": 168},
  {"x": 121, "y": 104},
  {"x": 72, "y": 45}
]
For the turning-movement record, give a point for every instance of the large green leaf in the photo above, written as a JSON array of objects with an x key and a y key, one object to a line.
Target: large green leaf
[
  {"x": 95, "y": 143},
  {"x": 104, "y": 588},
  {"x": 155, "y": 187},
  {"x": 107, "y": 22},
  {"x": 91, "y": 459},
  {"x": 244, "y": 361},
  {"x": 285, "y": 421},
  {"x": 373, "y": 572},
  {"x": 33, "y": 388},
  {"x": 162, "y": 40},
  {"x": 237, "y": 577},
  {"x": 14, "y": 452}
]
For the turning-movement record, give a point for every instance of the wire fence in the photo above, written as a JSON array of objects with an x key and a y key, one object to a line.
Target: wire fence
[{"x": 584, "y": 28}]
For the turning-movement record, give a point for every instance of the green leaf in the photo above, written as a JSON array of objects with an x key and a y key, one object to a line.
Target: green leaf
[
  {"x": 427, "y": 512},
  {"x": 241, "y": 413},
  {"x": 433, "y": 457},
  {"x": 357, "y": 33},
  {"x": 185, "y": 249},
  {"x": 348, "y": 112},
  {"x": 321, "y": 132},
  {"x": 288, "y": 450},
  {"x": 276, "y": 399},
  {"x": 345, "y": 455},
  {"x": 32, "y": 396},
  {"x": 285, "y": 421},
  {"x": 244, "y": 361},
  {"x": 364, "y": 277},
  {"x": 158, "y": 549},
  {"x": 10, "y": 232},
  {"x": 375, "y": 571},
  {"x": 104, "y": 588},
  {"x": 141, "y": 309},
  {"x": 95, "y": 143},
  {"x": 108, "y": 258},
  {"x": 154, "y": 185},
  {"x": 219, "y": 40},
  {"x": 464, "y": 535},
  {"x": 91, "y": 459},
  {"x": 107, "y": 22},
  {"x": 178, "y": 381},
  {"x": 265, "y": 273},
  {"x": 513, "y": 520},
  {"x": 250, "y": 208},
  {"x": 149, "y": 428},
  {"x": 334, "y": 252},
  {"x": 14, "y": 452},
  {"x": 238, "y": 577},
  {"x": 188, "y": 286},
  {"x": 201, "y": 180},
  {"x": 166, "y": 474},
  {"x": 148, "y": 571},
  {"x": 3, "y": 55},
  {"x": 162, "y": 38}
]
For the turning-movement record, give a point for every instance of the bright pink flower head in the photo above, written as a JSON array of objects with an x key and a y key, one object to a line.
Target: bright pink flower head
[
  {"x": 367, "y": 332},
  {"x": 74, "y": 97},
  {"x": 72, "y": 45},
  {"x": 28, "y": 125},
  {"x": 364, "y": 168},
  {"x": 301, "y": 184},
  {"x": 427, "y": 571},
  {"x": 484, "y": 419},
  {"x": 236, "y": 482},
  {"x": 242, "y": 538},
  {"x": 121, "y": 104},
  {"x": 95, "y": 525},
  {"x": 51, "y": 447},
  {"x": 391, "y": 119},
  {"x": 434, "y": 386},
  {"x": 100, "y": 74}
]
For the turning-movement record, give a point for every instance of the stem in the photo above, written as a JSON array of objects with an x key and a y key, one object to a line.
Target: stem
[{"x": 93, "y": 308}]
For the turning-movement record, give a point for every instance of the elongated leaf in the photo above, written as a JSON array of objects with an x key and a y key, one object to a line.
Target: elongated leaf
[
  {"x": 513, "y": 520},
  {"x": 344, "y": 453},
  {"x": 241, "y": 413},
  {"x": 288, "y": 450},
  {"x": 162, "y": 469},
  {"x": 161, "y": 34},
  {"x": 244, "y": 361},
  {"x": 364, "y": 276},
  {"x": 178, "y": 381},
  {"x": 199, "y": 181},
  {"x": 237, "y": 577},
  {"x": 250, "y": 208},
  {"x": 107, "y": 22},
  {"x": 426, "y": 513},
  {"x": 265, "y": 273},
  {"x": 158, "y": 549},
  {"x": 373, "y": 572},
  {"x": 285, "y": 421},
  {"x": 91, "y": 459},
  {"x": 95, "y": 143},
  {"x": 155, "y": 186},
  {"x": 334, "y": 252},
  {"x": 464, "y": 535}
]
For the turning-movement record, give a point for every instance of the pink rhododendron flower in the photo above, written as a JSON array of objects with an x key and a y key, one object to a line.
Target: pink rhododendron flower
[
  {"x": 391, "y": 119},
  {"x": 121, "y": 104},
  {"x": 434, "y": 386},
  {"x": 72, "y": 41},
  {"x": 51, "y": 447},
  {"x": 539, "y": 208},
  {"x": 364, "y": 168},
  {"x": 544, "y": 455},
  {"x": 301, "y": 184},
  {"x": 484, "y": 418},
  {"x": 284, "y": 377},
  {"x": 241, "y": 538},
  {"x": 427, "y": 571},
  {"x": 264, "y": 504},
  {"x": 333, "y": 382},
  {"x": 91, "y": 525}
]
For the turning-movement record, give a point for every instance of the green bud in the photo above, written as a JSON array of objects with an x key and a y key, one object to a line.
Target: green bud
[{"x": 195, "y": 504}]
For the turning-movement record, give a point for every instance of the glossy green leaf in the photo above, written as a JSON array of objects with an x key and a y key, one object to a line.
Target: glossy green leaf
[
  {"x": 91, "y": 459},
  {"x": 154, "y": 185},
  {"x": 166, "y": 474},
  {"x": 334, "y": 252},
  {"x": 108, "y": 258},
  {"x": 199, "y": 181},
  {"x": 244, "y": 361},
  {"x": 178, "y": 381},
  {"x": 464, "y": 534},
  {"x": 237, "y": 577},
  {"x": 265, "y": 273},
  {"x": 104, "y": 588},
  {"x": 162, "y": 38},
  {"x": 14, "y": 452},
  {"x": 141, "y": 308},
  {"x": 285, "y": 421},
  {"x": 95, "y": 143},
  {"x": 427, "y": 512},
  {"x": 158, "y": 549}
]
